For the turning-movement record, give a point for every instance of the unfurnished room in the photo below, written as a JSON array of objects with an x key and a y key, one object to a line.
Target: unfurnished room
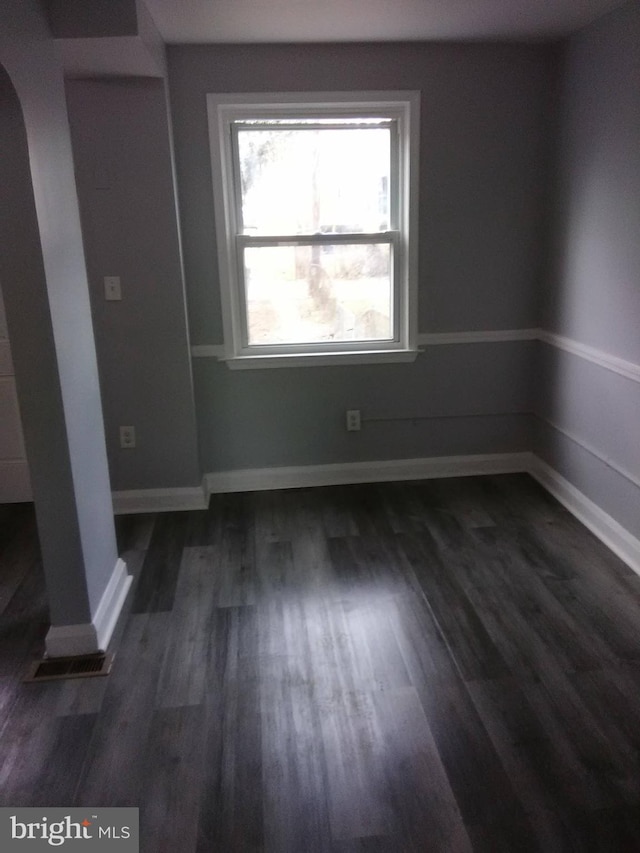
[{"x": 320, "y": 425}]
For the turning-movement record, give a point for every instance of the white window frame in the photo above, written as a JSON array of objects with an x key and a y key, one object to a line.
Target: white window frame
[{"x": 403, "y": 108}]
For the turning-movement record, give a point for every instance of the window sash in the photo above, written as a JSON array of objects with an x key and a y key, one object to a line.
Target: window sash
[
  {"x": 244, "y": 241},
  {"x": 392, "y": 123},
  {"x": 391, "y": 238}
]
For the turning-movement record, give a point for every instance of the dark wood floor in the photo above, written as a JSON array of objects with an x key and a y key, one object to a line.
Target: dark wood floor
[{"x": 440, "y": 666}]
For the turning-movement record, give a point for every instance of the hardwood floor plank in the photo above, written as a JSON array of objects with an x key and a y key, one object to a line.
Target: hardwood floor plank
[
  {"x": 465, "y": 749},
  {"x": 440, "y": 665},
  {"x": 19, "y": 549},
  {"x": 425, "y": 813},
  {"x": 115, "y": 767},
  {"x": 606, "y": 612},
  {"x": 470, "y": 644},
  {"x": 157, "y": 582},
  {"x": 236, "y": 562},
  {"x": 62, "y": 765},
  {"x": 23, "y": 625},
  {"x": 355, "y": 762},
  {"x": 607, "y": 830},
  {"x": 593, "y": 695},
  {"x": 575, "y": 734},
  {"x": 462, "y": 497},
  {"x": 530, "y": 589},
  {"x": 370, "y": 844},
  {"x": 184, "y": 667},
  {"x": 547, "y": 772},
  {"x": 612, "y": 694},
  {"x": 27, "y": 737},
  {"x": 170, "y": 800},
  {"x": 133, "y": 532},
  {"x": 336, "y": 509},
  {"x": 296, "y": 781},
  {"x": 231, "y": 794}
]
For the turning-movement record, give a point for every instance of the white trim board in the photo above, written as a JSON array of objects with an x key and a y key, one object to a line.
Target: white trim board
[
  {"x": 111, "y": 604},
  {"x": 159, "y": 500},
  {"x": 621, "y": 366},
  {"x": 91, "y": 637},
  {"x": 387, "y": 470},
  {"x": 423, "y": 340}
]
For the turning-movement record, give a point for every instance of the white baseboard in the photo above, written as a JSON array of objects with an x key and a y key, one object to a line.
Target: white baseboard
[
  {"x": 616, "y": 537},
  {"x": 91, "y": 637},
  {"x": 159, "y": 500},
  {"x": 388, "y": 470},
  {"x": 111, "y": 603}
]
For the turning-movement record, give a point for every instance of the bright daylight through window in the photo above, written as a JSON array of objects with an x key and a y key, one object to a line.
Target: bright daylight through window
[{"x": 316, "y": 210}]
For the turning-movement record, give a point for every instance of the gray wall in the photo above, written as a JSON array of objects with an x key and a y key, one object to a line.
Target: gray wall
[
  {"x": 593, "y": 293},
  {"x": 483, "y": 175},
  {"x": 124, "y": 176},
  {"x": 45, "y": 289}
]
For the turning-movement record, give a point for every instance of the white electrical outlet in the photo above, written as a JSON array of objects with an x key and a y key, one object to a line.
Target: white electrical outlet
[
  {"x": 353, "y": 420},
  {"x": 127, "y": 436},
  {"x": 112, "y": 289}
]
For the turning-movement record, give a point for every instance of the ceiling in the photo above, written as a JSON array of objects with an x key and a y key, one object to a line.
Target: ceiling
[{"x": 370, "y": 20}]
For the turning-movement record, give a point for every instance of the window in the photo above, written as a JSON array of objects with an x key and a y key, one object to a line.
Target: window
[{"x": 316, "y": 222}]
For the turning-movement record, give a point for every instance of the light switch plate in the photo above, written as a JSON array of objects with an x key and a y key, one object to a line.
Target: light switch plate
[{"x": 112, "y": 289}]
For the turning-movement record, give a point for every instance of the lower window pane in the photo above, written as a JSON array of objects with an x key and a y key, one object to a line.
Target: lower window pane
[{"x": 318, "y": 294}]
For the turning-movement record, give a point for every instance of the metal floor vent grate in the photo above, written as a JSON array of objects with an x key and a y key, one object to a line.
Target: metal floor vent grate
[{"x": 82, "y": 666}]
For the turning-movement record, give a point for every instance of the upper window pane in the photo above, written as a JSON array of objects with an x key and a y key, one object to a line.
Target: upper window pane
[{"x": 313, "y": 177}]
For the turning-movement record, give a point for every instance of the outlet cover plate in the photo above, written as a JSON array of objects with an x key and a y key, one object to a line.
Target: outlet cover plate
[
  {"x": 353, "y": 420},
  {"x": 127, "y": 436}
]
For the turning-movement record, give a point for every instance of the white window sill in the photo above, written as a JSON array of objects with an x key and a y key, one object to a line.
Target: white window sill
[{"x": 251, "y": 362}]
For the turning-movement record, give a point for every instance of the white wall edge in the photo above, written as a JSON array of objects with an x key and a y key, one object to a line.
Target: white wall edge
[
  {"x": 621, "y": 366},
  {"x": 159, "y": 500},
  {"x": 616, "y": 537},
  {"x": 260, "y": 479},
  {"x": 91, "y": 637}
]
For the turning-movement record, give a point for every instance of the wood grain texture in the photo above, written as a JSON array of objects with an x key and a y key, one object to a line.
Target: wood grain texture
[{"x": 439, "y": 666}]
